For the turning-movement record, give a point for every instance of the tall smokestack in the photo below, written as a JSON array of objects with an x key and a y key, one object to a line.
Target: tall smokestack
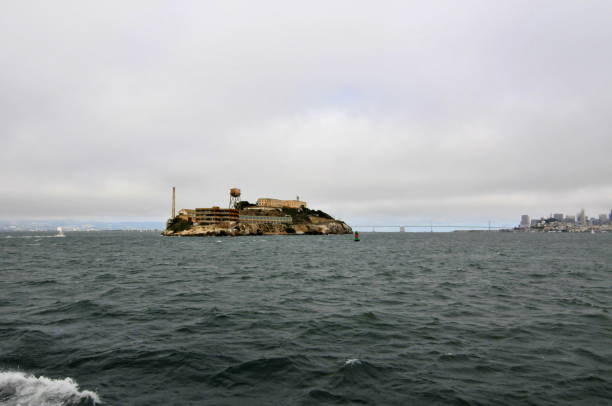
[{"x": 173, "y": 202}]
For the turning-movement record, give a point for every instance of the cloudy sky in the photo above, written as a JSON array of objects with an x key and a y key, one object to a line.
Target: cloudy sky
[{"x": 390, "y": 111}]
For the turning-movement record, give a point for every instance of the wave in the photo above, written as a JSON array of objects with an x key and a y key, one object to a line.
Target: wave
[
  {"x": 324, "y": 397},
  {"x": 279, "y": 370},
  {"x": 21, "y": 389}
]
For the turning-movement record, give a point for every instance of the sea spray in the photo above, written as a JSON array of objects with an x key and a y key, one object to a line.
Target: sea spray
[{"x": 21, "y": 389}]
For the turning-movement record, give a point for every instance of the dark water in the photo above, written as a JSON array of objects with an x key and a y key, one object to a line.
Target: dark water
[{"x": 396, "y": 319}]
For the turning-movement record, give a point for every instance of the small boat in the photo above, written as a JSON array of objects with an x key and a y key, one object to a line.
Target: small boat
[{"x": 60, "y": 232}]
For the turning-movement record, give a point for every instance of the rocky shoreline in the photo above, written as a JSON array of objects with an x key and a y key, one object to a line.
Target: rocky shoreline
[{"x": 242, "y": 229}]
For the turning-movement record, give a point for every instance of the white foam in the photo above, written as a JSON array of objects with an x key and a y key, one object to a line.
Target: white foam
[
  {"x": 20, "y": 389},
  {"x": 34, "y": 236},
  {"x": 353, "y": 361}
]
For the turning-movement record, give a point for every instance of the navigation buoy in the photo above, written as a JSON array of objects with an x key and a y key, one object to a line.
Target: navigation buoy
[{"x": 356, "y": 235}]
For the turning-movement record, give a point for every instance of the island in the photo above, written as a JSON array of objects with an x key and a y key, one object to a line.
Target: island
[{"x": 266, "y": 217}]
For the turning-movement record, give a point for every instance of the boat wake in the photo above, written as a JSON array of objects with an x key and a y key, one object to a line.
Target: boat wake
[
  {"x": 35, "y": 236},
  {"x": 60, "y": 234},
  {"x": 21, "y": 389}
]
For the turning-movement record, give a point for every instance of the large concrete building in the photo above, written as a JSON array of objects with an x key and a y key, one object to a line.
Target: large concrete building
[
  {"x": 268, "y": 202},
  {"x": 266, "y": 219},
  {"x": 214, "y": 215}
]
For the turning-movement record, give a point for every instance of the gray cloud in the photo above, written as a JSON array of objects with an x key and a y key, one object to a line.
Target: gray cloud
[{"x": 395, "y": 111}]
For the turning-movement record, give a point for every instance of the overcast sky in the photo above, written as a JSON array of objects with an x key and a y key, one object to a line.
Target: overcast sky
[{"x": 374, "y": 111}]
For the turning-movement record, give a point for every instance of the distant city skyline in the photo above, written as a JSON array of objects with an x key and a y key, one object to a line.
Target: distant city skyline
[{"x": 582, "y": 218}]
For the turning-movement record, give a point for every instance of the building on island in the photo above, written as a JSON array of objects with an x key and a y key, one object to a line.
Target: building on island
[
  {"x": 267, "y": 211},
  {"x": 277, "y": 203},
  {"x": 214, "y": 215},
  {"x": 525, "y": 221},
  {"x": 266, "y": 219},
  {"x": 187, "y": 214},
  {"x": 262, "y": 209}
]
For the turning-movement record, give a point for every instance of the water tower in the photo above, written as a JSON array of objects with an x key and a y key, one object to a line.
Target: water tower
[{"x": 234, "y": 197}]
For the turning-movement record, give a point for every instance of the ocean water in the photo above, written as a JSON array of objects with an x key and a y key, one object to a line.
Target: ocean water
[{"x": 126, "y": 318}]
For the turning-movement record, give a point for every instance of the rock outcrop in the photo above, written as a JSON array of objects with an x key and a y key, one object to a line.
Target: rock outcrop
[{"x": 237, "y": 229}]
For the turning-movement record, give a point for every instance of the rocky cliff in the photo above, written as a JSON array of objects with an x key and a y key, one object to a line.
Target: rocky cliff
[{"x": 305, "y": 221}]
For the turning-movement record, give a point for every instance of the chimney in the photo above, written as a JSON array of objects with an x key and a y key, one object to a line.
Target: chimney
[{"x": 173, "y": 202}]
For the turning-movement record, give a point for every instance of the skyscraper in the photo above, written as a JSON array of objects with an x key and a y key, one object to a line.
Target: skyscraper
[
  {"x": 525, "y": 222},
  {"x": 581, "y": 218}
]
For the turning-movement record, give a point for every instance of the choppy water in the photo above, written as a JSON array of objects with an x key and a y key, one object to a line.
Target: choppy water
[{"x": 396, "y": 319}]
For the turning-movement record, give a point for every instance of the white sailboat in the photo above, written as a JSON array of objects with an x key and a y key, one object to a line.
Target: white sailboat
[{"x": 60, "y": 232}]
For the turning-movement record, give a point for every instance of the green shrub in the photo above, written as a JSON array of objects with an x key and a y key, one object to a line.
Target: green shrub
[
  {"x": 300, "y": 216},
  {"x": 178, "y": 224},
  {"x": 244, "y": 204},
  {"x": 318, "y": 213}
]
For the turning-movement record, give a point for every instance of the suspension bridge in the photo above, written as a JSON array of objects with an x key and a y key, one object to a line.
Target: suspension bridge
[{"x": 431, "y": 227}]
